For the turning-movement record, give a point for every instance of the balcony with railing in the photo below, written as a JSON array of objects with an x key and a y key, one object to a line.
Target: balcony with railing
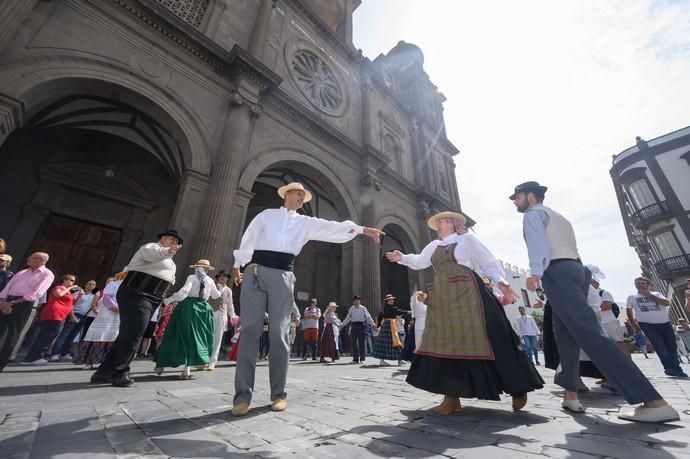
[
  {"x": 650, "y": 214},
  {"x": 669, "y": 268}
]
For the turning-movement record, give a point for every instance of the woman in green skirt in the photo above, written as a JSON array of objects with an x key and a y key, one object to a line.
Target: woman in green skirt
[{"x": 189, "y": 335}]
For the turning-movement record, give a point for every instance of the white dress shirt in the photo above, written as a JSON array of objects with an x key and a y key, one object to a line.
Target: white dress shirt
[
  {"x": 283, "y": 230},
  {"x": 419, "y": 314},
  {"x": 191, "y": 288},
  {"x": 226, "y": 304},
  {"x": 358, "y": 314},
  {"x": 469, "y": 252},
  {"x": 154, "y": 259}
]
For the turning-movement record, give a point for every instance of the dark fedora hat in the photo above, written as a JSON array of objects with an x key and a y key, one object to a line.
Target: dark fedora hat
[
  {"x": 172, "y": 233},
  {"x": 223, "y": 272},
  {"x": 356, "y": 297},
  {"x": 527, "y": 187}
]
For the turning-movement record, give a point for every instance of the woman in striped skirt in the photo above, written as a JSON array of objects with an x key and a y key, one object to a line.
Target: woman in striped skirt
[{"x": 388, "y": 345}]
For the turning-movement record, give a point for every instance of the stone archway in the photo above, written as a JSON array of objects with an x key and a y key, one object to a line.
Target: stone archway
[
  {"x": 96, "y": 162},
  {"x": 395, "y": 278}
]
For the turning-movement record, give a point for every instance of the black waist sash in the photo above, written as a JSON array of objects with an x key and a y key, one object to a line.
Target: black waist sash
[
  {"x": 276, "y": 260},
  {"x": 146, "y": 282}
]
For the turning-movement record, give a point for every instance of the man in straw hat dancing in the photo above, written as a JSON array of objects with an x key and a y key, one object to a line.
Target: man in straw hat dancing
[
  {"x": 268, "y": 249},
  {"x": 554, "y": 260},
  {"x": 150, "y": 273}
]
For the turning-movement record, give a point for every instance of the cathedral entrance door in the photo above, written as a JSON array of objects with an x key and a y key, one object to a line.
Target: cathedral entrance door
[{"x": 78, "y": 247}]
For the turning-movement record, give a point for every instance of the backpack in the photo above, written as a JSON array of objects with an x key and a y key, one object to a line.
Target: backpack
[{"x": 614, "y": 307}]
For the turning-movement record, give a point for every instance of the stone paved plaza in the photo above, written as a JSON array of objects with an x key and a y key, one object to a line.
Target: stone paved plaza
[{"x": 335, "y": 410}]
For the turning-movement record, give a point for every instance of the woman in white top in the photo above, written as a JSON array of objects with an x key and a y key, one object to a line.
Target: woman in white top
[
  {"x": 468, "y": 348},
  {"x": 223, "y": 310},
  {"x": 329, "y": 339},
  {"x": 189, "y": 335}
]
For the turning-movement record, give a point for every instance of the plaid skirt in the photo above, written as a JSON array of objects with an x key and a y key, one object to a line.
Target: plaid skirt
[{"x": 384, "y": 344}]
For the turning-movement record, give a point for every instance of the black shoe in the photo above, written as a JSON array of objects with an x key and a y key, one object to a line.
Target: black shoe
[
  {"x": 122, "y": 381},
  {"x": 101, "y": 379}
]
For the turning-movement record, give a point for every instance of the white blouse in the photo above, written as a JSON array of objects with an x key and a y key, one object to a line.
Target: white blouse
[
  {"x": 191, "y": 288},
  {"x": 283, "y": 230},
  {"x": 469, "y": 252}
]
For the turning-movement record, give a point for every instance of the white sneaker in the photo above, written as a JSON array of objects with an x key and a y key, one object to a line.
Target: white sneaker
[
  {"x": 37, "y": 362},
  {"x": 383, "y": 363},
  {"x": 66, "y": 358},
  {"x": 54, "y": 358},
  {"x": 573, "y": 405},
  {"x": 644, "y": 414},
  {"x": 401, "y": 363}
]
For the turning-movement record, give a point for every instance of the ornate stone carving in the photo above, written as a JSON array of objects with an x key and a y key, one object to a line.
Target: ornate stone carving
[
  {"x": 371, "y": 180},
  {"x": 190, "y": 11},
  {"x": 316, "y": 80},
  {"x": 311, "y": 72}
]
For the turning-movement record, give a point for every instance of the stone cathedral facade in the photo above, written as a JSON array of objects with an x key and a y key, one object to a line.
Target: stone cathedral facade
[{"x": 119, "y": 118}]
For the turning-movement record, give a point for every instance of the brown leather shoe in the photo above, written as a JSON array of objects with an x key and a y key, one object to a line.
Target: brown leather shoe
[
  {"x": 519, "y": 401},
  {"x": 279, "y": 404},
  {"x": 240, "y": 409},
  {"x": 448, "y": 405}
]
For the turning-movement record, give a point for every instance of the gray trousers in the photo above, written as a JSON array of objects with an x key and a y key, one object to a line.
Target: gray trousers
[
  {"x": 576, "y": 326},
  {"x": 270, "y": 290}
]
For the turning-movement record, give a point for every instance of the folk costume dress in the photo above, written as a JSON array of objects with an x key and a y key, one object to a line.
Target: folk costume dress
[
  {"x": 103, "y": 330},
  {"x": 329, "y": 338},
  {"x": 189, "y": 335},
  {"x": 468, "y": 348},
  {"x": 388, "y": 345}
]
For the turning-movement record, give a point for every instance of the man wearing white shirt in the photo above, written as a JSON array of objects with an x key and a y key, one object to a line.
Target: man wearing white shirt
[
  {"x": 268, "y": 248},
  {"x": 652, "y": 319},
  {"x": 529, "y": 332},
  {"x": 357, "y": 317},
  {"x": 150, "y": 273}
]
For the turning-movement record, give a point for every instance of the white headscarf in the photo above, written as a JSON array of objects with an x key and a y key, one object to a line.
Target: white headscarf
[{"x": 597, "y": 273}]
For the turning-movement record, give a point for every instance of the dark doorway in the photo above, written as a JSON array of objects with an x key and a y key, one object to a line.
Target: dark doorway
[{"x": 78, "y": 247}]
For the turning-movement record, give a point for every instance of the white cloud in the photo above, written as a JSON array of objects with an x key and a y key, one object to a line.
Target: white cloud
[{"x": 547, "y": 91}]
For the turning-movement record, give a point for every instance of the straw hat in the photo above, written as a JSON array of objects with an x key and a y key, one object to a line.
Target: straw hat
[
  {"x": 445, "y": 214},
  {"x": 6, "y": 257},
  {"x": 203, "y": 264},
  {"x": 332, "y": 304},
  {"x": 294, "y": 186}
]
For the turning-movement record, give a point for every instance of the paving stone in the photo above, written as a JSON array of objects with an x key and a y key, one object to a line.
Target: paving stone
[{"x": 359, "y": 413}]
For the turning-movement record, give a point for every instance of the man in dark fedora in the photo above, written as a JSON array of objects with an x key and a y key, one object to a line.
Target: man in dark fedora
[
  {"x": 357, "y": 317},
  {"x": 554, "y": 261},
  {"x": 150, "y": 273}
]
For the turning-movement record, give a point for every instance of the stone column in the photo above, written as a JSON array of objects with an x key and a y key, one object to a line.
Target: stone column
[
  {"x": 262, "y": 24},
  {"x": 13, "y": 13},
  {"x": 251, "y": 81},
  {"x": 214, "y": 235},
  {"x": 11, "y": 116},
  {"x": 191, "y": 198}
]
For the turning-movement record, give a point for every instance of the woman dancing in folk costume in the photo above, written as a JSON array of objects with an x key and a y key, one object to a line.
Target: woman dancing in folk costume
[
  {"x": 416, "y": 328},
  {"x": 468, "y": 347},
  {"x": 329, "y": 339},
  {"x": 388, "y": 345},
  {"x": 189, "y": 334},
  {"x": 105, "y": 327}
]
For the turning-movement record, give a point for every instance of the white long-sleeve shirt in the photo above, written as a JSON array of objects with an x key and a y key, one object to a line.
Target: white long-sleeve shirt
[
  {"x": 469, "y": 252},
  {"x": 226, "y": 304},
  {"x": 419, "y": 314},
  {"x": 154, "y": 259},
  {"x": 526, "y": 326},
  {"x": 283, "y": 230},
  {"x": 192, "y": 286}
]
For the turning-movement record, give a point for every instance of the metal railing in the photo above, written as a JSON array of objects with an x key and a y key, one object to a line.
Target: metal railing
[
  {"x": 673, "y": 267},
  {"x": 650, "y": 214}
]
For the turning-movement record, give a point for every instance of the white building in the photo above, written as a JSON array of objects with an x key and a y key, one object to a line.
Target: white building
[{"x": 652, "y": 182}]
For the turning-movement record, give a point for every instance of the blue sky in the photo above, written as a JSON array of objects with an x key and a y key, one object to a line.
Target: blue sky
[{"x": 546, "y": 91}]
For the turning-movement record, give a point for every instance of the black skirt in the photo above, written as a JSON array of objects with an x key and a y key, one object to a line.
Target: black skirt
[
  {"x": 511, "y": 372},
  {"x": 551, "y": 356}
]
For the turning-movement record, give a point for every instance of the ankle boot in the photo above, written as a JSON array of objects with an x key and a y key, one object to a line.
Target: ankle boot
[{"x": 447, "y": 406}]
